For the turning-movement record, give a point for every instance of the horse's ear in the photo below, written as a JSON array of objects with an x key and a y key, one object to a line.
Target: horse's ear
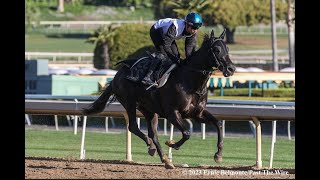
[
  {"x": 223, "y": 34},
  {"x": 212, "y": 34}
]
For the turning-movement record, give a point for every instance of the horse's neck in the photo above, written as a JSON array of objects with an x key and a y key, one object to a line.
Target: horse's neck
[
  {"x": 196, "y": 74},
  {"x": 198, "y": 60},
  {"x": 193, "y": 82}
]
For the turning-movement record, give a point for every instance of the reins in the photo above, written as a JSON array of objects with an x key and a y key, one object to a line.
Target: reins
[{"x": 204, "y": 72}]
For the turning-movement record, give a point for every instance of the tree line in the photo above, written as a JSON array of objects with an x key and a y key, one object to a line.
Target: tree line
[{"x": 228, "y": 13}]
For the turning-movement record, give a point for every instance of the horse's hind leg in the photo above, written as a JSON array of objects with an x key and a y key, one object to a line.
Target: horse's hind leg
[
  {"x": 206, "y": 117},
  {"x": 149, "y": 117},
  {"x": 133, "y": 126}
]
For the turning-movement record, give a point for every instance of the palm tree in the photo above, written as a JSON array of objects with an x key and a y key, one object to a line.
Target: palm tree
[
  {"x": 32, "y": 14},
  {"x": 103, "y": 39},
  {"x": 183, "y": 7},
  {"x": 291, "y": 26},
  {"x": 60, "y": 7}
]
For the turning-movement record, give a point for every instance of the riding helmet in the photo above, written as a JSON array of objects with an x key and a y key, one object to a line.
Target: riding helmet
[{"x": 194, "y": 20}]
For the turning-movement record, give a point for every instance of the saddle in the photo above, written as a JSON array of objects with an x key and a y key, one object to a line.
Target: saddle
[{"x": 164, "y": 66}]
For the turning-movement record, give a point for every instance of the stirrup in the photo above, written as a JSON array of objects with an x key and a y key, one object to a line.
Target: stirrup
[
  {"x": 147, "y": 82},
  {"x": 154, "y": 84}
]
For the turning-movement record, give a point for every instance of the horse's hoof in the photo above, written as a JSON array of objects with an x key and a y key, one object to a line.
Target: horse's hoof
[
  {"x": 170, "y": 143},
  {"x": 217, "y": 158},
  {"x": 152, "y": 151},
  {"x": 152, "y": 148},
  {"x": 169, "y": 165}
]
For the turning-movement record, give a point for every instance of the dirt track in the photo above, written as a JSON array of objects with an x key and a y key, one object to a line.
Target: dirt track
[{"x": 52, "y": 168}]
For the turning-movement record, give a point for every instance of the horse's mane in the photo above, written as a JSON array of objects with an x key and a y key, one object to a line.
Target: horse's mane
[
  {"x": 205, "y": 41},
  {"x": 206, "y": 38}
]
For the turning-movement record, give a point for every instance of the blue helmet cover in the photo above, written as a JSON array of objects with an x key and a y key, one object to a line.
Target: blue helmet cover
[{"x": 194, "y": 19}]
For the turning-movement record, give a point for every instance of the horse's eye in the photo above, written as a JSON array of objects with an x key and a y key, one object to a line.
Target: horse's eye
[{"x": 217, "y": 49}]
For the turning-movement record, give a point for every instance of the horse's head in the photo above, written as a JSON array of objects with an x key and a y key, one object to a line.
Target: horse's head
[{"x": 219, "y": 54}]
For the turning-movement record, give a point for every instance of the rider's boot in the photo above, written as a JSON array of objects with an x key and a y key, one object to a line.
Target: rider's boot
[{"x": 147, "y": 80}]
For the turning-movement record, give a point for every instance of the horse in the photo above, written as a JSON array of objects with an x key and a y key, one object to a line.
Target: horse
[{"x": 183, "y": 96}]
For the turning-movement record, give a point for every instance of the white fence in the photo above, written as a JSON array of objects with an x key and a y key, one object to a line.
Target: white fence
[
  {"x": 68, "y": 24},
  {"x": 54, "y": 55},
  {"x": 84, "y": 26},
  {"x": 281, "y": 28},
  {"x": 222, "y": 112},
  {"x": 238, "y": 57}
]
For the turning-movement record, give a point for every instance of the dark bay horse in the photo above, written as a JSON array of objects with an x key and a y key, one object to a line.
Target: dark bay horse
[{"x": 183, "y": 96}]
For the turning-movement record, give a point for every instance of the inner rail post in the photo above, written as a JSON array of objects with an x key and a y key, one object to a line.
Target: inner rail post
[
  {"x": 258, "y": 142},
  {"x": 128, "y": 137}
]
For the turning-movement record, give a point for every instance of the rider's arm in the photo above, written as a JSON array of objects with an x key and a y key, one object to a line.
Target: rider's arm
[
  {"x": 190, "y": 45},
  {"x": 168, "y": 38}
]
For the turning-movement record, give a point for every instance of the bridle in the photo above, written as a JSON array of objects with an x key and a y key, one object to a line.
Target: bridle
[{"x": 214, "y": 58}]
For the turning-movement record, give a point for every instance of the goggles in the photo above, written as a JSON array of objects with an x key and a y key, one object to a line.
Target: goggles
[{"x": 194, "y": 26}]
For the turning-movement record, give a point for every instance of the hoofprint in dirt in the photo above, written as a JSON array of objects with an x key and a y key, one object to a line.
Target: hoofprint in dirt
[{"x": 55, "y": 168}]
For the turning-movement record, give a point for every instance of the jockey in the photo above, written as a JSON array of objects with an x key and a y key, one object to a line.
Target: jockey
[{"x": 164, "y": 34}]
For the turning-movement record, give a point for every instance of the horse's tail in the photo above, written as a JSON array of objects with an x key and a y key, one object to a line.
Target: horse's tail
[
  {"x": 98, "y": 105},
  {"x": 120, "y": 62}
]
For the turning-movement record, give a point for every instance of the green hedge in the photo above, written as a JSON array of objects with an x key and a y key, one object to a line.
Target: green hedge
[
  {"x": 129, "y": 39},
  {"x": 133, "y": 40},
  {"x": 281, "y": 92}
]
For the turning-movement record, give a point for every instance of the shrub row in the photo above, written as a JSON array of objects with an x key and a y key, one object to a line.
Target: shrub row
[{"x": 281, "y": 92}]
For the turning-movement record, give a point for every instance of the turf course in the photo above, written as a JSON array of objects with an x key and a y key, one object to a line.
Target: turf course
[{"x": 237, "y": 151}]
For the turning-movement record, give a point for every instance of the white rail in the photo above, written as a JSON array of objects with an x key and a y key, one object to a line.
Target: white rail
[
  {"x": 281, "y": 28},
  {"x": 54, "y": 55},
  {"x": 92, "y": 22}
]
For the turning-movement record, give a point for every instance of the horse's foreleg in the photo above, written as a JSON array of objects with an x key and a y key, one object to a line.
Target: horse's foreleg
[
  {"x": 218, "y": 155},
  {"x": 176, "y": 119},
  {"x": 152, "y": 122},
  {"x": 206, "y": 117},
  {"x": 153, "y": 133}
]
